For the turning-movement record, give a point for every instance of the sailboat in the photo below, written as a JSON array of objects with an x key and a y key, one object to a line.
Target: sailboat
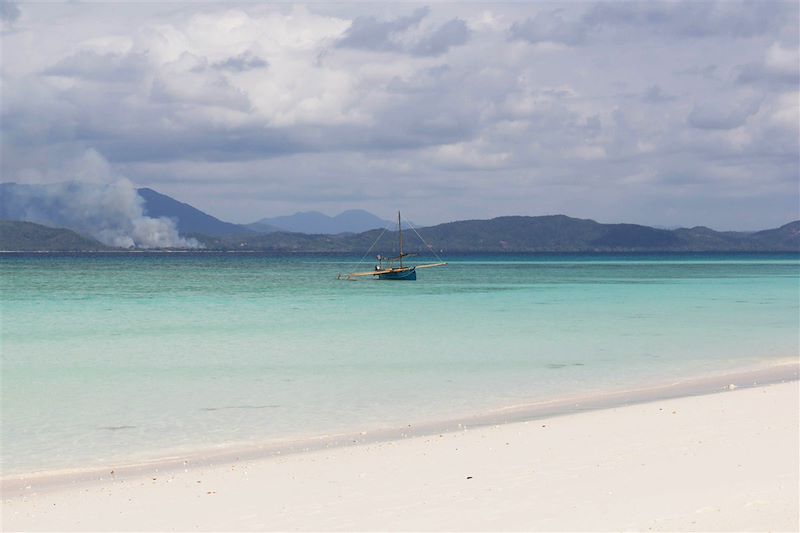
[{"x": 393, "y": 268}]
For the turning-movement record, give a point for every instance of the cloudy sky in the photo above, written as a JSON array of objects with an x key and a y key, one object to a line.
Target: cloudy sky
[{"x": 658, "y": 113}]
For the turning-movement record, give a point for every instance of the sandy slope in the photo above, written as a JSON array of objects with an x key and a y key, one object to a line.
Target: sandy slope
[{"x": 726, "y": 461}]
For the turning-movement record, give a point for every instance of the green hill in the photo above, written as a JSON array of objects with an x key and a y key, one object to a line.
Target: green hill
[
  {"x": 28, "y": 237},
  {"x": 557, "y": 233},
  {"x": 787, "y": 236}
]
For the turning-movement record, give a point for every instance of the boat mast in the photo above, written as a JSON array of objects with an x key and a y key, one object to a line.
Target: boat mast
[{"x": 400, "y": 232}]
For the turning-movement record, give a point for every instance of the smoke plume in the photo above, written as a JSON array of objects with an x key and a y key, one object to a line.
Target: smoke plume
[
  {"x": 112, "y": 213},
  {"x": 100, "y": 203}
]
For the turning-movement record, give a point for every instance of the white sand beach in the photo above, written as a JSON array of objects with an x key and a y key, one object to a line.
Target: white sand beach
[{"x": 726, "y": 461}]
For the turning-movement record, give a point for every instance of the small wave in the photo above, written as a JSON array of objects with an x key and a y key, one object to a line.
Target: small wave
[
  {"x": 239, "y": 407},
  {"x": 116, "y": 428},
  {"x": 556, "y": 366}
]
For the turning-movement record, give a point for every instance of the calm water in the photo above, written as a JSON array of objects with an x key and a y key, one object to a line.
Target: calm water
[{"x": 117, "y": 357}]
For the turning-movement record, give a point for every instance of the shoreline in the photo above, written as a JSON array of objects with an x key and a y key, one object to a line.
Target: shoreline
[
  {"x": 711, "y": 462},
  {"x": 787, "y": 370}
]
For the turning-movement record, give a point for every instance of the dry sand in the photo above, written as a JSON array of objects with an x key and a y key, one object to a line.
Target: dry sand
[{"x": 724, "y": 461}]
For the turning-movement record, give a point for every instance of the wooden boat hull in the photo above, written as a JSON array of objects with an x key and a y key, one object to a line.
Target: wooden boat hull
[{"x": 405, "y": 274}]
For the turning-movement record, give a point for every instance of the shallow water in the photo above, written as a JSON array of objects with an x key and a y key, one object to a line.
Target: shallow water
[{"x": 118, "y": 357}]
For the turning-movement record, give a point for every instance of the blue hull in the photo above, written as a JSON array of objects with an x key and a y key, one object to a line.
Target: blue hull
[{"x": 406, "y": 275}]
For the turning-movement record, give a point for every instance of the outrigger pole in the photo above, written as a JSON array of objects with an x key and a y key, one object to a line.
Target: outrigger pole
[{"x": 391, "y": 272}]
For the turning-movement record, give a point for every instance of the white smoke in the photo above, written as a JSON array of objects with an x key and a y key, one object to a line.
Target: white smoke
[{"x": 101, "y": 205}]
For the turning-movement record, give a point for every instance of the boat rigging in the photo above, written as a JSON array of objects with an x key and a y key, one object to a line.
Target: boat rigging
[{"x": 393, "y": 268}]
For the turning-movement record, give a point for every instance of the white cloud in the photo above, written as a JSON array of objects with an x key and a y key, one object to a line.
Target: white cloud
[
  {"x": 478, "y": 154},
  {"x": 778, "y": 65},
  {"x": 289, "y": 107},
  {"x": 782, "y": 61},
  {"x": 716, "y": 114},
  {"x": 785, "y": 111}
]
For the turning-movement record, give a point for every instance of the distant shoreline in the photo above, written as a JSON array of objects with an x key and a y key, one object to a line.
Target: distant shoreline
[
  {"x": 514, "y": 234},
  {"x": 451, "y": 253}
]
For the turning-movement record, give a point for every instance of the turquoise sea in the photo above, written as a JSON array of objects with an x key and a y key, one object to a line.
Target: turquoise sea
[{"x": 112, "y": 358}]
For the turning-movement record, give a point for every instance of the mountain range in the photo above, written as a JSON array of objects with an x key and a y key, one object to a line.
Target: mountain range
[
  {"x": 189, "y": 220},
  {"x": 46, "y": 204},
  {"x": 520, "y": 234},
  {"x": 350, "y": 221},
  {"x": 303, "y": 232}
]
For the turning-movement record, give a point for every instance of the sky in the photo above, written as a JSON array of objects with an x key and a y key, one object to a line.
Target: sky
[{"x": 667, "y": 114}]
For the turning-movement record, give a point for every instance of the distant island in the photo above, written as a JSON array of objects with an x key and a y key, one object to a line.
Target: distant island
[
  {"x": 44, "y": 218},
  {"x": 512, "y": 234},
  {"x": 519, "y": 234}
]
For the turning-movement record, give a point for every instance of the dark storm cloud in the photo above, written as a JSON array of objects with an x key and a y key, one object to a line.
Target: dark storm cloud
[
  {"x": 160, "y": 144},
  {"x": 451, "y": 33},
  {"x": 759, "y": 73},
  {"x": 426, "y": 80},
  {"x": 241, "y": 63},
  {"x": 168, "y": 128},
  {"x": 690, "y": 19},
  {"x": 684, "y": 19},
  {"x": 369, "y": 33},
  {"x": 720, "y": 116},
  {"x": 106, "y": 67},
  {"x": 655, "y": 95},
  {"x": 707, "y": 71},
  {"x": 550, "y": 26},
  {"x": 9, "y": 11}
]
